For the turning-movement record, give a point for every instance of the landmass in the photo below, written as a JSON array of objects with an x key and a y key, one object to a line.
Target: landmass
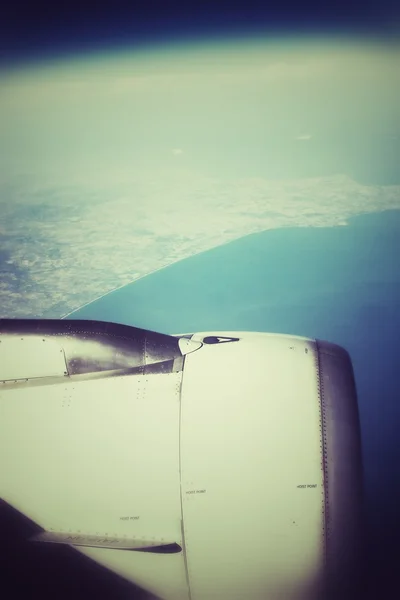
[{"x": 62, "y": 246}]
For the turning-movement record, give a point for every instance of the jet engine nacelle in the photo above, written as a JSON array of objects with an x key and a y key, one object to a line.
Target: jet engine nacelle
[{"x": 214, "y": 465}]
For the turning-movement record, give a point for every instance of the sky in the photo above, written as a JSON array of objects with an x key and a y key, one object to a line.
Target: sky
[
  {"x": 207, "y": 107},
  {"x": 83, "y": 64},
  {"x": 41, "y": 29}
]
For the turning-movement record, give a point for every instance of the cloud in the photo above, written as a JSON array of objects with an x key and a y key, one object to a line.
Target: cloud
[
  {"x": 304, "y": 137},
  {"x": 177, "y": 151}
]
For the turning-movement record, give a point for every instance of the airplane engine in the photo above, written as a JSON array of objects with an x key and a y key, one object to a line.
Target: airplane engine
[{"x": 213, "y": 465}]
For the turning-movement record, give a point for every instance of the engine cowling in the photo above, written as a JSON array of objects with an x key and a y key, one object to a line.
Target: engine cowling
[{"x": 212, "y": 465}]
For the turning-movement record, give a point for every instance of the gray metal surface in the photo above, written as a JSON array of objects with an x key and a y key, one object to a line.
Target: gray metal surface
[
  {"x": 342, "y": 462},
  {"x": 92, "y": 347}
]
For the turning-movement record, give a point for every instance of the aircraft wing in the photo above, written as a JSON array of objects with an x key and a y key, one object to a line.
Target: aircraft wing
[{"x": 199, "y": 466}]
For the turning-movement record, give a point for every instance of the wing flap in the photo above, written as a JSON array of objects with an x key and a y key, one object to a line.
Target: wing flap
[{"x": 98, "y": 541}]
